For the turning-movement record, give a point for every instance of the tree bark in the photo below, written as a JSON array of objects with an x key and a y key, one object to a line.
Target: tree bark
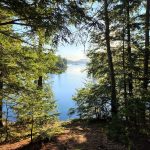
[
  {"x": 130, "y": 82},
  {"x": 40, "y": 79},
  {"x": 146, "y": 58},
  {"x": 124, "y": 73},
  {"x": 1, "y": 100},
  {"x": 146, "y": 52},
  {"x": 32, "y": 122},
  {"x": 114, "y": 105},
  {"x": 40, "y": 82}
]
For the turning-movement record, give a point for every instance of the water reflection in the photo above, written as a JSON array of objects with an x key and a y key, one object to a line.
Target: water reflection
[{"x": 64, "y": 87}]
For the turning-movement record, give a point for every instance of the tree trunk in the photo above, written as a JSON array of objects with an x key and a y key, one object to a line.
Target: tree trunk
[
  {"x": 40, "y": 82},
  {"x": 1, "y": 100},
  {"x": 124, "y": 73},
  {"x": 146, "y": 52},
  {"x": 130, "y": 84},
  {"x": 114, "y": 105},
  {"x": 32, "y": 130},
  {"x": 146, "y": 59},
  {"x": 40, "y": 79}
]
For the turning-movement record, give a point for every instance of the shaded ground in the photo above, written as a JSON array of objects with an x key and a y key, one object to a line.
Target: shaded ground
[
  {"x": 76, "y": 136},
  {"x": 14, "y": 146}
]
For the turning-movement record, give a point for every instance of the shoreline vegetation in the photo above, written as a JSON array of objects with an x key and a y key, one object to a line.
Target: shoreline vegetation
[
  {"x": 14, "y": 127},
  {"x": 61, "y": 64}
]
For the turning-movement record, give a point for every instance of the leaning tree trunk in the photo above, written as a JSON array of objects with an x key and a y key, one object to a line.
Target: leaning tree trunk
[{"x": 114, "y": 105}]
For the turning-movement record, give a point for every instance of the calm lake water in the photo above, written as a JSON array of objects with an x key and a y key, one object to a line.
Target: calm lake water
[{"x": 64, "y": 87}]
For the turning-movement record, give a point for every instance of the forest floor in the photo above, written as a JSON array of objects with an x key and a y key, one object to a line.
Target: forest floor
[{"x": 76, "y": 136}]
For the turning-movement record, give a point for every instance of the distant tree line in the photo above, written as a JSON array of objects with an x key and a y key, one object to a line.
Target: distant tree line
[{"x": 61, "y": 64}]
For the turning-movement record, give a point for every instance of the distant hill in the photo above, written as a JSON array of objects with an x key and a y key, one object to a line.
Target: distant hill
[{"x": 77, "y": 62}]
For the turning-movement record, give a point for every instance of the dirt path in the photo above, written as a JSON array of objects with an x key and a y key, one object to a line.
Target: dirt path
[
  {"x": 83, "y": 137},
  {"x": 15, "y": 146},
  {"x": 76, "y": 136}
]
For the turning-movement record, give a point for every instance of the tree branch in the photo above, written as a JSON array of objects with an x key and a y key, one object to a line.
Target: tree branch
[
  {"x": 17, "y": 38},
  {"x": 11, "y": 22}
]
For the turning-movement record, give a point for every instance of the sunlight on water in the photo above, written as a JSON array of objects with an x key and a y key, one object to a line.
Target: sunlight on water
[{"x": 64, "y": 87}]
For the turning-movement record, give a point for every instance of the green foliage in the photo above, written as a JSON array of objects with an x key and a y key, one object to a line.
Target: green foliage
[
  {"x": 119, "y": 62},
  {"x": 25, "y": 29},
  {"x": 126, "y": 31},
  {"x": 61, "y": 64},
  {"x": 39, "y": 104},
  {"x": 92, "y": 102},
  {"x": 20, "y": 67}
]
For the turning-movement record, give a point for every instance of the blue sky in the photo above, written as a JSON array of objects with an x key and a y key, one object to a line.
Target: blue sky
[{"x": 69, "y": 51}]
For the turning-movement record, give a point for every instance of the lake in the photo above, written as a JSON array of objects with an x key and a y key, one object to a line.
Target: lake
[{"x": 64, "y": 87}]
